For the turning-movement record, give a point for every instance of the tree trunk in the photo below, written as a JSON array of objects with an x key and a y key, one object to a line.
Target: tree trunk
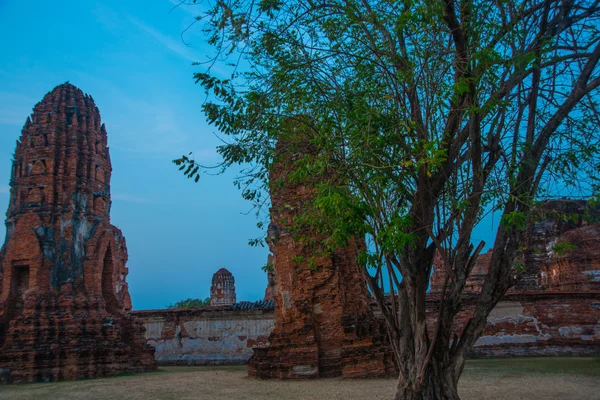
[{"x": 437, "y": 385}]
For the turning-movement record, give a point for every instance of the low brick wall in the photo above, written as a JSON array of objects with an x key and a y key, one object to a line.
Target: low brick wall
[
  {"x": 539, "y": 324},
  {"x": 526, "y": 324},
  {"x": 211, "y": 335}
]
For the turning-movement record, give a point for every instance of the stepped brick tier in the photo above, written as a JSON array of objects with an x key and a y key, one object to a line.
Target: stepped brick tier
[
  {"x": 554, "y": 306},
  {"x": 222, "y": 290},
  {"x": 324, "y": 324},
  {"x": 63, "y": 293}
]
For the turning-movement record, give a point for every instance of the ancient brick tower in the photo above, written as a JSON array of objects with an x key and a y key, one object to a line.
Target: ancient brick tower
[
  {"x": 553, "y": 309},
  {"x": 324, "y": 325},
  {"x": 63, "y": 293},
  {"x": 547, "y": 268},
  {"x": 222, "y": 290}
]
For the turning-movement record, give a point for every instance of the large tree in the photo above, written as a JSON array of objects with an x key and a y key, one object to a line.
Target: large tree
[{"x": 433, "y": 113}]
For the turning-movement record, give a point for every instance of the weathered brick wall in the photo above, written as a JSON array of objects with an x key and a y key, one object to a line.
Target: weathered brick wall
[
  {"x": 534, "y": 324},
  {"x": 560, "y": 253},
  {"x": 554, "y": 306},
  {"x": 210, "y": 335}
]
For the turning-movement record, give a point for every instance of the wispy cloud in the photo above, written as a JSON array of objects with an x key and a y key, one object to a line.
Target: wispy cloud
[
  {"x": 146, "y": 124},
  {"x": 4, "y": 189},
  {"x": 107, "y": 17},
  {"x": 112, "y": 20},
  {"x": 174, "y": 45},
  {"x": 131, "y": 199}
]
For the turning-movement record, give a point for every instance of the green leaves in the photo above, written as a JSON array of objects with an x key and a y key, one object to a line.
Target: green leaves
[
  {"x": 397, "y": 237},
  {"x": 420, "y": 117},
  {"x": 422, "y": 122},
  {"x": 562, "y": 248},
  {"x": 189, "y": 167},
  {"x": 517, "y": 220},
  {"x": 190, "y": 303},
  {"x": 519, "y": 267}
]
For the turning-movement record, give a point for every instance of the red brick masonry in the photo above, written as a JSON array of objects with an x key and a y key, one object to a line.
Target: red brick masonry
[
  {"x": 324, "y": 325},
  {"x": 554, "y": 306},
  {"x": 63, "y": 293},
  {"x": 535, "y": 324}
]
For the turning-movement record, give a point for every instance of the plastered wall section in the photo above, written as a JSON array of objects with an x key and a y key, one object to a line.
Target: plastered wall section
[
  {"x": 209, "y": 336},
  {"x": 540, "y": 324}
]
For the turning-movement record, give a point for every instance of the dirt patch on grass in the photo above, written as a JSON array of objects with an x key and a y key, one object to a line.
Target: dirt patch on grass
[{"x": 485, "y": 379}]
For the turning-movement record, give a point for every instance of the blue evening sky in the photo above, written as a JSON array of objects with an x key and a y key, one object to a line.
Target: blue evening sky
[{"x": 129, "y": 56}]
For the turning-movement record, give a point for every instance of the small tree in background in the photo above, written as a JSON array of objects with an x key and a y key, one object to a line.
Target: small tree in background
[
  {"x": 433, "y": 113},
  {"x": 190, "y": 303}
]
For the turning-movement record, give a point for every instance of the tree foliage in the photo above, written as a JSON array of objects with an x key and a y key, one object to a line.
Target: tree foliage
[
  {"x": 433, "y": 114},
  {"x": 190, "y": 303}
]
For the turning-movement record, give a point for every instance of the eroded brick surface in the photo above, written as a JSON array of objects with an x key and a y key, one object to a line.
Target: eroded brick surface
[
  {"x": 552, "y": 308},
  {"x": 209, "y": 335},
  {"x": 63, "y": 293},
  {"x": 561, "y": 253},
  {"x": 270, "y": 290},
  {"x": 533, "y": 324},
  {"x": 324, "y": 325}
]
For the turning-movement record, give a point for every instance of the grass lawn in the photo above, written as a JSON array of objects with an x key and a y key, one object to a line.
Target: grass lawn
[
  {"x": 578, "y": 366},
  {"x": 499, "y": 379}
]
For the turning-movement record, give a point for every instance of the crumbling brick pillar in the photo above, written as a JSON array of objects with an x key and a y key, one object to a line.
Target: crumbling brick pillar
[{"x": 324, "y": 325}]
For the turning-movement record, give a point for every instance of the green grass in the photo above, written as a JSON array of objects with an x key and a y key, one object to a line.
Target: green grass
[
  {"x": 581, "y": 366},
  {"x": 492, "y": 379}
]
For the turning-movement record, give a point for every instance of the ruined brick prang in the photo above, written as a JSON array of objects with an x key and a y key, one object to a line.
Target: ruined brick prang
[
  {"x": 63, "y": 292},
  {"x": 554, "y": 306},
  {"x": 560, "y": 253},
  {"x": 324, "y": 325},
  {"x": 222, "y": 290}
]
